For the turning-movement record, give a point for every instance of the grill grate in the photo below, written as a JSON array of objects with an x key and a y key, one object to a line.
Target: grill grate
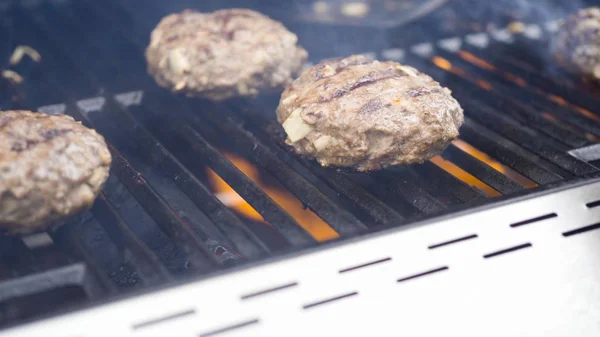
[{"x": 162, "y": 219}]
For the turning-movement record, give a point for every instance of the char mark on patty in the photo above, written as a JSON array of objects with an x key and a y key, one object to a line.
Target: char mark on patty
[
  {"x": 366, "y": 80},
  {"x": 372, "y": 106},
  {"x": 422, "y": 91},
  {"x": 339, "y": 65},
  {"x": 46, "y": 135}
]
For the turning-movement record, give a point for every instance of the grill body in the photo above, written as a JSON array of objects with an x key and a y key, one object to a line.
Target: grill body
[{"x": 509, "y": 208}]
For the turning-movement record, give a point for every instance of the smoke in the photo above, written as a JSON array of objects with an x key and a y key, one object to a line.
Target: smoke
[{"x": 501, "y": 12}]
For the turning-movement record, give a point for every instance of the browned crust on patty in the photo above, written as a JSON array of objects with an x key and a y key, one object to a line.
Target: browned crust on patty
[{"x": 51, "y": 167}]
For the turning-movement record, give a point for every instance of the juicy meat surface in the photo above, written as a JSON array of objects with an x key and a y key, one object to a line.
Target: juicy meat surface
[
  {"x": 51, "y": 167},
  {"x": 223, "y": 54},
  {"x": 577, "y": 44},
  {"x": 366, "y": 115}
]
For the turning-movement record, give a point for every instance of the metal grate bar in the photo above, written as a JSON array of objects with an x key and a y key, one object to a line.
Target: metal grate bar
[
  {"x": 201, "y": 258},
  {"x": 382, "y": 190},
  {"x": 143, "y": 260},
  {"x": 405, "y": 186},
  {"x": 509, "y": 154},
  {"x": 481, "y": 171},
  {"x": 444, "y": 186},
  {"x": 70, "y": 236}
]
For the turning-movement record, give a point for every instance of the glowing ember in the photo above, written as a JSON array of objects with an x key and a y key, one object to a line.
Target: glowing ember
[
  {"x": 586, "y": 113},
  {"x": 592, "y": 138},
  {"x": 320, "y": 230},
  {"x": 558, "y": 99},
  {"x": 230, "y": 198},
  {"x": 559, "y": 122},
  {"x": 582, "y": 111},
  {"x": 464, "y": 176},
  {"x": 483, "y": 64},
  {"x": 484, "y": 157},
  {"x": 442, "y": 63},
  {"x": 516, "y": 79},
  {"x": 465, "y": 55},
  {"x": 485, "y": 85},
  {"x": 553, "y": 119}
]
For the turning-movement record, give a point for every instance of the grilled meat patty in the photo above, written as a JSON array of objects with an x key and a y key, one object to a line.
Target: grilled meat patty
[
  {"x": 577, "y": 44},
  {"x": 366, "y": 115},
  {"x": 51, "y": 167},
  {"x": 227, "y": 53}
]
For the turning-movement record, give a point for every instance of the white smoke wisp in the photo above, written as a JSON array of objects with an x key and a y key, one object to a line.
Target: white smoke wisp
[{"x": 532, "y": 11}]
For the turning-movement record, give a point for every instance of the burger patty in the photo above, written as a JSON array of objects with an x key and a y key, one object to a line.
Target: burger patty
[
  {"x": 366, "y": 115},
  {"x": 227, "y": 53},
  {"x": 577, "y": 44},
  {"x": 51, "y": 167}
]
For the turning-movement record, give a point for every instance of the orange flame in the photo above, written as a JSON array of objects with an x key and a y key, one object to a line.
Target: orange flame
[
  {"x": 582, "y": 111},
  {"x": 484, "y": 157},
  {"x": 483, "y": 64},
  {"x": 558, "y": 99},
  {"x": 464, "y": 176},
  {"x": 516, "y": 79},
  {"x": 320, "y": 230},
  {"x": 469, "y": 57},
  {"x": 442, "y": 63},
  {"x": 554, "y": 119},
  {"x": 230, "y": 198},
  {"x": 557, "y": 121},
  {"x": 485, "y": 85}
]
